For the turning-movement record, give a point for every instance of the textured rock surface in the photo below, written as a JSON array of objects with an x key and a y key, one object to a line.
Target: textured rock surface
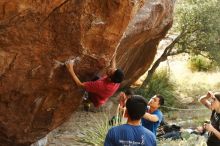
[{"x": 36, "y": 96}]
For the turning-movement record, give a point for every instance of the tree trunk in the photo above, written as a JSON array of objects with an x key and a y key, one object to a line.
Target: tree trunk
[
  {"x": 162, "y": 58},
  {"x": 167, "y": 52}
]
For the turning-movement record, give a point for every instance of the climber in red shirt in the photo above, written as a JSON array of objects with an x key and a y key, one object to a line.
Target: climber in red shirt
[{"x": 100, "y": 90}]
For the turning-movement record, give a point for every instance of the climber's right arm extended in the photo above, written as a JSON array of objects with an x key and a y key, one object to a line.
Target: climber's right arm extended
[{"x": 69, "y": 67}]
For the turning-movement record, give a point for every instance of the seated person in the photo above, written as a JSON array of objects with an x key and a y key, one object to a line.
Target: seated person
[
  {"x": 174, "y": 132},
  {"x": 123, "y": 96},
  {"x": 166, "y": 131}
]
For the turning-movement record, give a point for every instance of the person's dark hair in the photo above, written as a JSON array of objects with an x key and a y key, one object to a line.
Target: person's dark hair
[
  {"x": 136, "y": 107},
  {"x": 217, "y": 96},
  {"x": 161, "y": 99},
  {"x": 117, "y": 76},
  {"x": 129, "y": 92}
]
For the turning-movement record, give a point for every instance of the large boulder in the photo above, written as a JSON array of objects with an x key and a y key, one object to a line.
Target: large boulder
[{"x": 36, "y": 93}]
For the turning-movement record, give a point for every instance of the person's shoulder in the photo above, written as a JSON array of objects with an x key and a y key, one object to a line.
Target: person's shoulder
[
  {"x": 149, "y": 133},
  {"x": 147, "y": 130},
  {"x": 158, "y": 112},
  {"x": 122, "y": 127},
  {"x": 112, "y": 129},
  {"x": 116, "y": 127}
]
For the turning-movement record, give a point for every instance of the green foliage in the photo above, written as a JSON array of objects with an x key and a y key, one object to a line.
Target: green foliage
[
  {"x": 188, "y": 140},
  {"x": 200, "y": 63},
  {"x": 197, "y": 24},
  {"x": 196, "y": 31},
  {"x": 95, "y": 135},
  {"x": 160, "y": 84}
]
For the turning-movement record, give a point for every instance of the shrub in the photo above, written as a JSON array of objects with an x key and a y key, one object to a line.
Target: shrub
[
  {"x": 188, "y": 140},
  {"x": 160, "y": 84},
  {"x": 200, "y": 63},
  {"x": 95, "y": 135}
]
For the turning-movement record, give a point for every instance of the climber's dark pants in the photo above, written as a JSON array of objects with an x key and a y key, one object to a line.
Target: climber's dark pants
[{"x": 87, "y": 96}]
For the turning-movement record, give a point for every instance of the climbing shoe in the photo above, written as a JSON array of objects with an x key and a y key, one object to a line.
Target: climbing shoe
[{"x": 86, "y": 106}]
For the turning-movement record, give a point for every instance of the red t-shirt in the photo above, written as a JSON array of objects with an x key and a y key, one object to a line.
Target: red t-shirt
[{"x": 100, "y": 90}]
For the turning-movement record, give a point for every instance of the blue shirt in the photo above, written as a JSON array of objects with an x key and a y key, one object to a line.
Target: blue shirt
[
  {"x": 152, "y": 126},
  {"x": 129, "y": 135}
]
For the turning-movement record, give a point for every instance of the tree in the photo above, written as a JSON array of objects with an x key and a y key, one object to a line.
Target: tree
[{"x": 196, "y": 30}]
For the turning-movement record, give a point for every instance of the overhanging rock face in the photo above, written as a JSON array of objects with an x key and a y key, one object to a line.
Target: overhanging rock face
[{"x": 36, "y": 94}]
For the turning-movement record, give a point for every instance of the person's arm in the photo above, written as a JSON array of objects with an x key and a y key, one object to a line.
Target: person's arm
[
  {"x": 151, "y": 117},
  {"x": 113, "y": 62},
  {"x": 205, "y": 100},
  {"x": 210, "y": 128},
  {"x": 69, "y": 67},
  {"x": 110, "y": 68}
]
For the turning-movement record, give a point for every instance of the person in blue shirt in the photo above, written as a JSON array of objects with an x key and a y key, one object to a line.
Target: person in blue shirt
[
  {"x": 132, "y": 133},
  {"x": 153, "y": 116}
]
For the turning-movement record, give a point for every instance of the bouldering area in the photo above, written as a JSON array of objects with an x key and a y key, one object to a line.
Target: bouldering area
[{"x": 36, "y": 94}]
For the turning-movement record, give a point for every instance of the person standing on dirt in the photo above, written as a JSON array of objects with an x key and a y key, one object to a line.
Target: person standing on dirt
[
  {"x": 120, "y": 111},
  {"x": 212, "y": 102},
  {"x": 131, "y": 133},
  {"x": 153, "y": 116},
  {"x": 123, "y": 97},
  {"x": 102, "y": 88}
]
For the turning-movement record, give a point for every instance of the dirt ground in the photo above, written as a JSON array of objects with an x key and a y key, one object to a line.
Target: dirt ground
[{"x": 68, "y": 133}]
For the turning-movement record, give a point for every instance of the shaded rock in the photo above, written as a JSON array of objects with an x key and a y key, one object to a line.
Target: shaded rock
[{"x": 36, "y": 95}]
